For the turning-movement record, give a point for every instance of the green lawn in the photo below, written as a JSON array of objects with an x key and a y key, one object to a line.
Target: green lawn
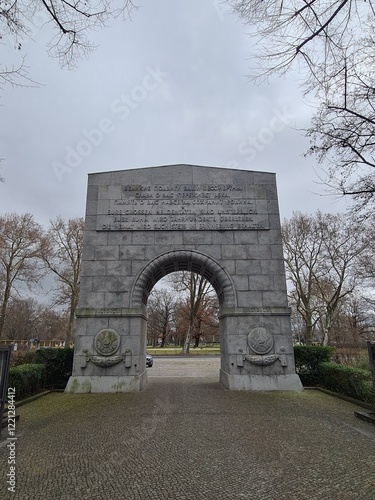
[{"x": 165, "y": 351}]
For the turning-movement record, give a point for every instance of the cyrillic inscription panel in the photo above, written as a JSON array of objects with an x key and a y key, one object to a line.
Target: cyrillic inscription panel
[{"x": 178, "y": 207}]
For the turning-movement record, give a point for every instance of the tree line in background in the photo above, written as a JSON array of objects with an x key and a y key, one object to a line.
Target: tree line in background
[
  {"x": 329, "y": 260},
  {"x": 27, "y": 254},
  {"x": 330, "y": 269}
]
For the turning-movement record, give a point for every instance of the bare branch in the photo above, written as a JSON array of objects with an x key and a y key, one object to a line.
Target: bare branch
[
  {"x": 72, "y": 23},
  {"x": 334, "y": 41}
]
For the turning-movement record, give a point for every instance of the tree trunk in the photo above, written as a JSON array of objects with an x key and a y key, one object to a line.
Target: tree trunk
[
  {"x": 327, "y": 331},
  {"x": 2, "y": 318},
  {"x": 163, "y": 335},
  {"x": 2, "y": 321},
  {"x": 309, "y": 334},
  {"x": 186, "y": 348},
  {"x": 4, "y": 307},
  {"x": 69, "y": 333}
]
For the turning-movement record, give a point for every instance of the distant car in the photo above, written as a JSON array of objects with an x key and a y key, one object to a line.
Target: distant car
[{"x": 149, "y": 360}]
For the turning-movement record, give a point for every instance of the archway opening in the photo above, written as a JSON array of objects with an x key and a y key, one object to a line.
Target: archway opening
[
  {"x": 183, "y": 309},
  {"x": 188, "y": 261},
  {"x": 183, "y": 326}
]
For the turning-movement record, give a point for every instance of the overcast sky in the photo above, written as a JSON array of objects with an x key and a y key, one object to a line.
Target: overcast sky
[{"x": 168, "y": 87}]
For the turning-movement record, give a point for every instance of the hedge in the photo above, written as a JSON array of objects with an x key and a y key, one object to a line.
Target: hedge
[
  {"x": 349, "y": 381},
  {"x": 308, "y": 360},
  {"x": 314, "y": 366},
  {"x": 27, "y": 379},
  {"x": 58, "y": 364}
]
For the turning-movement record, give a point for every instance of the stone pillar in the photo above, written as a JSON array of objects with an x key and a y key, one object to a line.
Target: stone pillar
[
  {"x": 111, "y": 344},
  {"x": 257, "y": 351}
]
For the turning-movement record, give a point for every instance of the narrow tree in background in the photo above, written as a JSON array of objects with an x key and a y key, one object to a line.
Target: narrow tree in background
[
  {"x": 22, "y": 319},
  {"x": 302, "y": 248},
  {"x": 205, "y": 324},
  {"x": 63, "y": 257},
  {"x": 196, "y": 288},
  {"x": 343, "y": 243},
  {"x": 354, "y": 322},
  {"x": 21, "y": 247},
  {"x": 322, "y": 256},
  {"x": 160, "y": 309}
]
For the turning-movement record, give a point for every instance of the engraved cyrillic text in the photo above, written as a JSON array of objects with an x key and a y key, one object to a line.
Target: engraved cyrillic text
[{"x": 179, "y": 207}]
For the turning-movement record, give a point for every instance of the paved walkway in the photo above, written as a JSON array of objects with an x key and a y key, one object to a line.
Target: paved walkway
[{"x": 188, "y": 438}]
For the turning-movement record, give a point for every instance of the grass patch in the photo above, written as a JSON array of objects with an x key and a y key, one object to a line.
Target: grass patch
[{"x": 175, "y": 351}]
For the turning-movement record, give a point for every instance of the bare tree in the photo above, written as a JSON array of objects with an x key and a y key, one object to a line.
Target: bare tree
[
  {"x": 71, "y": 24},
  {"x": 52, "y": 324},
  {"x": 354, "y": 322},
  {"x": 333, "y": 41},
  {"x": 28, "y": 319},
  {"x": 366, "y": 266},
  {"x": 197, "y": 288},
  {"x": 302, "y": 248},
  {"x": 343, "y": 243},
  {"x": 21, "y": 322},
  {"x": 366, "y": 269},
  {"x": 321, "y": 255},
  {"x": 206, "y": 324},
  {"x": 21, "y": 246},
  {"x": 63, "y": 257},
  {"x": 160, "y": 309}
]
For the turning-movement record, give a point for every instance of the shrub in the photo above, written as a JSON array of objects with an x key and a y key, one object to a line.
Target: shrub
[
  {"x": 21, "y": 358},
  {"x": 314, "y": 366},
  {"x": 26, "y": 379},
  {"x": 58, "y": 363},
  {"x": 350, "y": 381},
  {"x": 357, "y": 357},
  {"x": 308, "y": 360}
]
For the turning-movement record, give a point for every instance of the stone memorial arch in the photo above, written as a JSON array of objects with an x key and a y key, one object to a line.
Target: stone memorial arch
[{"x": 145, "y": 223}]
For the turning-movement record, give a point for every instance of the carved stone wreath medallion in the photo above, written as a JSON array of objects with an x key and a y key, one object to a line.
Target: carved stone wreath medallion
[
  {"x": 107, "y": 342},
  {"x": 260, "y": 340}
]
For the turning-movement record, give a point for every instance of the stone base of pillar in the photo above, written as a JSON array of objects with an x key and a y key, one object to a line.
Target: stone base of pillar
[
  {"x": 260, "y": 382},
  {"x": 84, "y": 385}
]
